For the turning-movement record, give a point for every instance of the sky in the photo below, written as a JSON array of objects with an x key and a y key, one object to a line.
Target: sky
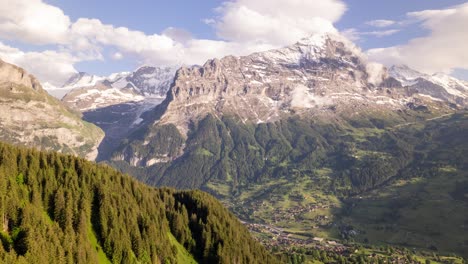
[{"x": 54, "y": 39}]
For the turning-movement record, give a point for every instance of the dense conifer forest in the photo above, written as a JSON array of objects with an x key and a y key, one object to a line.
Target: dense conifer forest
[{"x": 62, "y": 209}]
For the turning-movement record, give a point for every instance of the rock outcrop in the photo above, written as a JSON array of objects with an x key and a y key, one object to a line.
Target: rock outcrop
[{"x": 31, "y": 117}]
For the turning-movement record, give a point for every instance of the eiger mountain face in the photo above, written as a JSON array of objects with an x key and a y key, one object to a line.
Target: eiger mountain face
[
  {"x": 289, "y": 137},
  {"x": 31, "y": 117},
  {"x": 311, "y": 76},
  {"x": 319, "y": 78}
]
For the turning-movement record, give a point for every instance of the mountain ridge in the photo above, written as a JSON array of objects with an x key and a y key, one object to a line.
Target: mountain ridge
[{"x": 32, "y": 117}]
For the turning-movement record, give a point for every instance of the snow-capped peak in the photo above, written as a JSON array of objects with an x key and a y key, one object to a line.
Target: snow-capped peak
[
  {"x": 411, "y": 77},
  {"x": 405, "y": 74},
  {"x": 313, "y": 49},
  {"x": 82, "y": 79},
  {"x": 317, "y": 40}
]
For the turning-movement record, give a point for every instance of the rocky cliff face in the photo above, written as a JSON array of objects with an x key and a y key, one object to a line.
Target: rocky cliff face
[
  {"x": 13, "y": 75},
  {"x": 151, "y": 81},
  {"x": 323, "y": 77},
  {"x": 320, "y": 75},
  {"x": 31, "y": 117}
]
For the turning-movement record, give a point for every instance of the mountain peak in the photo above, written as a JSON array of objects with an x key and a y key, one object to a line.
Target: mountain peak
[
  {"x": 81, "y": 79},
  {"x": 14, "y": 74},
  {"x": 318, "y": 40},
  {"x": 438, "y": 85},
  {"x": 31, "y": 117},
  {"x": 315, "y": 49},
  {"x": 314, "y": 74}
]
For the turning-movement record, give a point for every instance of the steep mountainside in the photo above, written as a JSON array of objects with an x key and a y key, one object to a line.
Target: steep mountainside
[
  {"x": 63, "y": 209},
  {"x": 319, "y": 78},
  {"x": 289, "y": 134},
  {"x": 116, "y": 103},
  {"x": 31, "y": 117}
]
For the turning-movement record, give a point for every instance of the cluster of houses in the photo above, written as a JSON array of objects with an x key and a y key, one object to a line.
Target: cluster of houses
[{"x": 278, "y": 237}]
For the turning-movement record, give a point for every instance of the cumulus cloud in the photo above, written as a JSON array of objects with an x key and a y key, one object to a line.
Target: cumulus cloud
[
  {"x": 244, "y": 26},
  {"x": 442, "y": 50},
  {"x": 33, "y": 21},
  {"x": 276, "y": 22},
  {"x": 381, "y": 23},
  {"x": 178, "y": 34},
  {"x": 48, "y": 66}
]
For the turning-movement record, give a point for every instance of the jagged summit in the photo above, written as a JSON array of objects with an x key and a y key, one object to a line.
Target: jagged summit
[
  {"x": 12, "y": 74},
  {"x": 150, "y": 80},
  {"x": 313, "y": 49},
  {"x": 439, "y": 86},
  {"x": 82, "y": 79},
  {"x": 404, "y": 74},
  {"x": 312, "y": 75},
  {"x": 144, "y": 82}
]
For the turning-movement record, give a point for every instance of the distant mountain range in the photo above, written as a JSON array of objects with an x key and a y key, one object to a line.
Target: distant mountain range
[{"x": 86, "y": 92}]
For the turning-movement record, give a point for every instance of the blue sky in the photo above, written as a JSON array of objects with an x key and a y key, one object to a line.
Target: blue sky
[
  {"x": 90, "y": 39},
  {"x": 360, "y": 11},
  {"x": 151, "y": 17}
]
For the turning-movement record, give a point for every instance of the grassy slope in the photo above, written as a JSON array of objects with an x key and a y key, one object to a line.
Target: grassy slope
[
  {"x": 183, "y": 256},
  {"x": 101, "y": 256}
]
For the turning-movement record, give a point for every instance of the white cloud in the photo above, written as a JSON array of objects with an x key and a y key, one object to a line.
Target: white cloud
[
  {"x": 381, "y": 23},
  {"x": 245, "y": 26},
  {"x": 178, "y": 34},
  {"x": 442, "y": 50},
  {"x": 276, "y": 22},
  {"x": 376, "y": 72},
  {"x": 117, "y": 56},
  {"x": 351, "y": 33},
  {"x": 33, "y": 21},
  {"x": 381, "y": 33},
  {"x": 50, "y": 66},
  {"x": 355, "y": 35}
]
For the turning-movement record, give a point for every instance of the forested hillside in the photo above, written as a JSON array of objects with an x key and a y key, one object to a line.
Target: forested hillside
[
  {"x": 331, "y": 175},
  {"x": 62, "y": 209}
]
